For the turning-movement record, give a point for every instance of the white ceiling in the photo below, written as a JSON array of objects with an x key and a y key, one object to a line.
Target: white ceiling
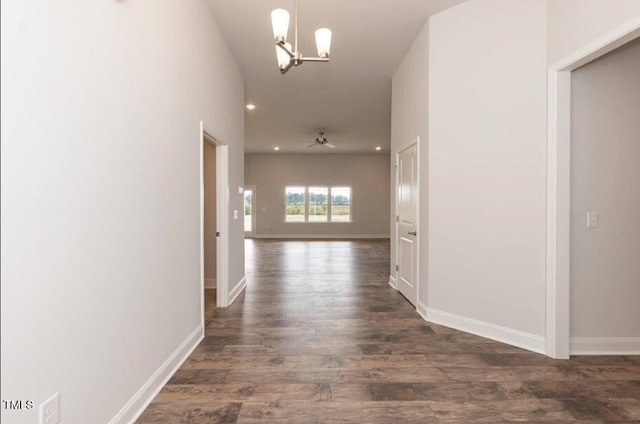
[{"x": 350, "y": 97}]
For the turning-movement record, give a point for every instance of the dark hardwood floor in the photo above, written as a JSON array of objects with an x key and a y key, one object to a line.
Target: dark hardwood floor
[
  {"x": 320, "y": 337},
  {"x": 209, "y": 305}
]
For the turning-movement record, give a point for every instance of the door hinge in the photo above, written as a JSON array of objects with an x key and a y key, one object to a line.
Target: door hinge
[
  {"x": 397, "y": 268},
  {"x": 397, "y": 218}
]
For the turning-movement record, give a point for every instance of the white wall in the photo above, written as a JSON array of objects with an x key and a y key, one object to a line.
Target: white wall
[
  {"x": 605, "y": 171},
  {"x": 482, "y": 65},
  {"x": 366, "y": 174},
  {"x": 487, "y": 135},
  {"x": 101, "y": 104},
  {"x": 573, "y": 24},
  {"x": 409, "y": 121}
]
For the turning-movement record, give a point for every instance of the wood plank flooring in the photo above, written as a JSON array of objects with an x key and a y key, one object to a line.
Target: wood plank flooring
[
  {"x": 320, "y": 337},
  {"x": 209, "y": 305}
]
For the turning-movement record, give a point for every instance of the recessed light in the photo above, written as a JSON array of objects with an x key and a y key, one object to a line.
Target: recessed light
[
  {"x": 276, "y": 148},
  {"x": 378, "y": 148},
  {"x": 251, "y": 106}
]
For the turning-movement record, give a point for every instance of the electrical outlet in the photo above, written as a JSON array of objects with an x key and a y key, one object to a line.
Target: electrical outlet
[
  {"x": 50, "y": 410},
  {"x": 235, "y": 214}
]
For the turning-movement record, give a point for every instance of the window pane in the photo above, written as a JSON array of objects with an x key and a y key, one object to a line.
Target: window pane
[
  {"x": 318, "y": 201},
  {"x": 294, "y": 204},
  {"x": 341, "y": 204}
]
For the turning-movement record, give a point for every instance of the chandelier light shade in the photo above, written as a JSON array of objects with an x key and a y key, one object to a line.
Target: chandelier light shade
[
  {"x": 288, "y": 55},
  {"x": 280, "y": 23},
  {"x": 323, "y": 42}
]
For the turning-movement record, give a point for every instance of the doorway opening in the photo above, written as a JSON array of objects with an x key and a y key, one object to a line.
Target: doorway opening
[
  {"x": 559, "y": 184},
  {"x": 214, "y": 224},
  {"x": 210, "y": 227},
  {"x": 605, "y": 233},
  {"x": 249, "y": 211}
]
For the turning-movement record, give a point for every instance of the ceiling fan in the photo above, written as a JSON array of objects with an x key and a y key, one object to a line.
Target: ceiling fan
[{"x": 321, "y": 140}]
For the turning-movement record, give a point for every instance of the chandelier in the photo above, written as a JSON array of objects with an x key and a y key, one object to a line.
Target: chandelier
[{"x": 289, "y": 56}]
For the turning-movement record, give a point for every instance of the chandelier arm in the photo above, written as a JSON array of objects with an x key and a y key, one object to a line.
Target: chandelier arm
[
  {"x": 295, "y": 26},
  {"x": 284, "y": 47},
  {"x": 286, "y": 68},
  {"x": 315, "y": 59}
]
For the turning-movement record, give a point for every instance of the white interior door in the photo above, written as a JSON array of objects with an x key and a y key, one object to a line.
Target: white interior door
[{"x": 407, "y": 223}]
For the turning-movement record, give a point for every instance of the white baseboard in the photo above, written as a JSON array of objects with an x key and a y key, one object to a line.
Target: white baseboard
[
  {"x": 143, "y": 397},
  {"x": 322, "y": 236},
  {"x": 485, "y": 329},
  {"x": 422, "y": 310},
  {"x": 237, "y": 289},
  {"x": 604, "y": 346},
  {"x": 209, "y": 283},
  {"x": 393, "y": 283}
]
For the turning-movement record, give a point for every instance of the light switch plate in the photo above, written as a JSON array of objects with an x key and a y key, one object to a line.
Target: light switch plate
[{"x": 593, "y": 219}]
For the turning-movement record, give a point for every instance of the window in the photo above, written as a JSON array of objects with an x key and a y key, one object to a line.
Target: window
[
  {"x": 295, "y": 204},
  {"x": 340, "y": 204},
  {"x": 317, "y": 204}
]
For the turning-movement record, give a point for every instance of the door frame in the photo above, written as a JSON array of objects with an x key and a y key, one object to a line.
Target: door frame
[
  {"x": 222, "y": 219},
  {"x": 253, "y": 211},
  {"x": 396, "y": 274},
  {"x": 558, "y": 243}
]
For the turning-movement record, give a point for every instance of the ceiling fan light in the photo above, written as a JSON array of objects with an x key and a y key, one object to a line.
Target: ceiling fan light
[
  {"x": 283, "y": 56},
  {"x": 280, "y": 24},
  {"x": 323, "y": 42}
]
